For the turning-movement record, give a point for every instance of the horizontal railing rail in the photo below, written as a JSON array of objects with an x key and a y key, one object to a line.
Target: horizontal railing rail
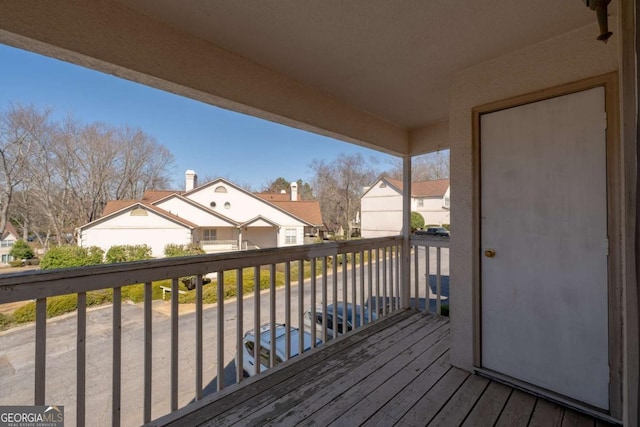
[{"x": 326, "y": 289}]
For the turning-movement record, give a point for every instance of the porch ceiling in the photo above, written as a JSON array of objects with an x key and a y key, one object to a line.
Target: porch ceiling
[{"x": 365, "y": 71}]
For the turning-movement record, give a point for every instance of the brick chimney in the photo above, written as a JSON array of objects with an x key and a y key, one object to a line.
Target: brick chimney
[
  {"x": 191, "y": 180},
  {"x": 294, "y": 191}
]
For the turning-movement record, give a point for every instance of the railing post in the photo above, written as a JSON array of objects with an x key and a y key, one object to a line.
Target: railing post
[{"x": 405, "y": 253}]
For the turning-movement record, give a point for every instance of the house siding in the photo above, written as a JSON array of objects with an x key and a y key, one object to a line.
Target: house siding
[
  {"x": 192, "y": 213},
  {"x": 152, "y": 230},
  {"x": 381, "y": 211}
]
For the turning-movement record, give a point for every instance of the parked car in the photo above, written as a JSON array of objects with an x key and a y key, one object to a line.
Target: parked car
[
  {"x": 249, "y": 342},
  {"x": 353, "y": 318},
  {"x": 434, "y": 231}
]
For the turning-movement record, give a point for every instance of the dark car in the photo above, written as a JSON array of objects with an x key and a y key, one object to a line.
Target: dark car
[{"x": 434, "y": 231}]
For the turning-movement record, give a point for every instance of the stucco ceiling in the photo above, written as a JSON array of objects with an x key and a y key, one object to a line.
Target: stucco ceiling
[{"x": 390, "y": 58}]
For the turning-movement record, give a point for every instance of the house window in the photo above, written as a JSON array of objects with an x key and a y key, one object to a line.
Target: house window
[
  {"x": 6, "y": 258},
  {"x": 447, "y": 202},
  {"x": 209, "y": 234},
  {"x": 6, "y": 243},
  {"x": 290, "y": 235},
  {"x": 420, "y": 203},
  {"x": 383, "y": 185},
  {"x": 220, "y": 189}
]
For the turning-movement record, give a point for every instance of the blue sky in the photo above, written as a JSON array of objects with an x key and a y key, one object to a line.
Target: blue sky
[{"x": 212, "y": 141}]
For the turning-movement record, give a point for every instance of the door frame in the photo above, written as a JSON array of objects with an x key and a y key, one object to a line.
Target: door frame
[{"x": 614, "y": 226}]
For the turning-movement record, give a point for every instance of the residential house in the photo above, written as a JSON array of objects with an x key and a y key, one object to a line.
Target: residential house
[
  {"x": 381, "y": 205},
  {"x": 541, "y": 119},
  {"x": 9, "y": 237},
  {"x": 218, "y": 216}
]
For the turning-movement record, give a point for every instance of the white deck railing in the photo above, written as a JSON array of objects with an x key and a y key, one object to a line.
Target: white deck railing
[
  {"x": 219, "y": 245},
  {"x": 363, "y": 272}
]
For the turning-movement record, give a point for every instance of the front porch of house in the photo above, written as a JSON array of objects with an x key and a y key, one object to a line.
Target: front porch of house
[{"x": 393, "y": 372}]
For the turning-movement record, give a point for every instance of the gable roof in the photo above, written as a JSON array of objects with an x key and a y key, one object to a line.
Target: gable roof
[
  {"x": 197, "y": 205},
  {"x": 276, "y": 197},
  {"x": 280, "y": 205},
  {"x": 151, "y": 196},
  {"x": 307, "y": 210},
  {"x": 115, "y": 205},
  {"x": 9, "y": 229},
  {"x": 433, "y": 188},
  {"x": 126, "y": 205},
  {"x": 259, "y": 218}
]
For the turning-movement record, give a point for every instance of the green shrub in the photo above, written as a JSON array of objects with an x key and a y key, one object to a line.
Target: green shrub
[
  {"x": 99, "y": 297},
  {"x": 26, "y": 313},
  {"x": 417, "y": 221},
  {"x": 21, "y": 250},
  {"x": 128, "y": 253},
  {"x": 61, "y": 304},
  {"x": 447, "y": 226},
  {"x": 5, "y": 321},
  {"x": 71, "y": 256},
  {"x": 175, "y": 250},
  {"x": 16, "y": 263}
]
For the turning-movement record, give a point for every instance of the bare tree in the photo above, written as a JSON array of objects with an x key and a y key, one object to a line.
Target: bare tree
[
  {"x": 66, "y": 172},
  {"x": 21, "y": 127},
  {"x": 338, "y": 186},
  {"x": 423, "y": 168}
]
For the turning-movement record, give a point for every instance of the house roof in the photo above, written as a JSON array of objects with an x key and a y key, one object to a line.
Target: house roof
[
  {"x": 433, "y": 188},
  {"x": 151, "y": 196},
  {"x": 288, "y": 207},
  {"x": 307, "y": 210},
  {"x": 276, "y": 197},
  {"x": 258, "y": 219},
  {"x": 9, "y": 229},
  {"x": 117, "y": 207}
]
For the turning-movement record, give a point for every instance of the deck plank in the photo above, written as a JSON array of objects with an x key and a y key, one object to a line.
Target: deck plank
[
  {"x": 573, "y": 419},
  {"x": 395, "y": 408},
  {"x": 489, "y": 407},
  {"x": 456, "y": 409},
  {"x": 395, "y": 371},
  {"x": 429, "y": 404},
  {"x": 250, "y": 395},
  {"x": 310, "y": 397},
  {"x": 358, "y": 403},
  {"x": 518, "y": 410},
  {"x": 546, "y": 414}
]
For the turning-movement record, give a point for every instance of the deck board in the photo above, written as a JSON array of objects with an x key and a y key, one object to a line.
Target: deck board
[
  {"x": 395, "y": 371},
  {"x": 489, "y": 406},
  {"x": 517, "y": 412}
]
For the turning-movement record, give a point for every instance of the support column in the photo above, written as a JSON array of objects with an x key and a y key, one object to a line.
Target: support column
[{"x": 405, "y": 270}]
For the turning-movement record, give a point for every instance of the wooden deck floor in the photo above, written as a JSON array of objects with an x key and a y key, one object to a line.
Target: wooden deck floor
[{"x": 394, "y": 372}]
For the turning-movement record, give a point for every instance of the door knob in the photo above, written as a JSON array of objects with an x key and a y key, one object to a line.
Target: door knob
[{"x": 490, "y": 253}]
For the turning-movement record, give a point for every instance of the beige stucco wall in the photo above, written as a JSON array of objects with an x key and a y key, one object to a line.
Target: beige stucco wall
[{"x": 567, "y": 58}]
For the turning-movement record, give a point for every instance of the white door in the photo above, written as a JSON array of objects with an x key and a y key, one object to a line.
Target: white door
[{"x": 544, "y": 308}]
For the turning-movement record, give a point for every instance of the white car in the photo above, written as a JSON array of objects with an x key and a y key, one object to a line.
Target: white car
[
  {"x": 353, "y": 318},
  {"x": 248, "y": 345}
]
